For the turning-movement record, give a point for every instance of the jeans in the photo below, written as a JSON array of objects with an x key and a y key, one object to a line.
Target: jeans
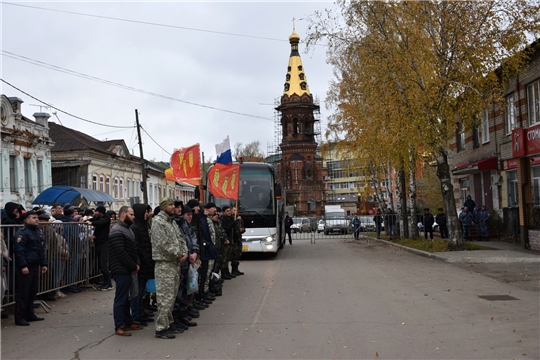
[
  {"x": 102, "y": 253},
  {"x": 391, "y": 231},
  {"x": 121, "y": 307},
  {"x": 137, "y": 307}
]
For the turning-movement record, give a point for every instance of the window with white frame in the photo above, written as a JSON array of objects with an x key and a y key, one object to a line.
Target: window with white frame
[
  {"x": 510, "y": 114},
  {"x": 535, "y": 173},
  {"x": 463, "y": 186},
  {"x": 12, "y": 173},
  {"x": 460, "y": 137},
  {"x": 512, "y": 188},
  {"x": 116, "y": 188},
  {"x": 122, "y": 194},
  {"x": 95, "y": 182},
  {"x": 150, "y": 193},
  {"x": 101, "y": 183},
  {"x": 129, "y": 189},
  {"x": 108, "y": 185},
  {"x": 27, "y": 176},
  {"x": 39, "y": 168},
  {"x": 533, "y": 101},
  {"x": 485, "y": 127},
  {"x": 83, "y": 181}
]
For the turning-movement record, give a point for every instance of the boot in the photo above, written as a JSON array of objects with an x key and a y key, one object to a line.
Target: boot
[
  {"x": 229, "y": 273},
  {"x": 224, "y": 275},
  {"x": 235, "y": 270}
]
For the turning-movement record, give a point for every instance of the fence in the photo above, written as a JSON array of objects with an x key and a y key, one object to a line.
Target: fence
[{"x": 70, "y": 256}]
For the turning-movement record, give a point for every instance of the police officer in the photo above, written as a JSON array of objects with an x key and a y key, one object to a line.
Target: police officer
[{"x": 29, "y": 251}]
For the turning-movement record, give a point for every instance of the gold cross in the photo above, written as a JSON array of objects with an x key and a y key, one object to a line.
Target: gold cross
[{"x": 293, "y": 23}]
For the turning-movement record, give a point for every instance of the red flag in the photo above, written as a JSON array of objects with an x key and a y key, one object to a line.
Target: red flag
[
  {"x": 186, "y": 163},
  {"x": 223, "y": 181}
]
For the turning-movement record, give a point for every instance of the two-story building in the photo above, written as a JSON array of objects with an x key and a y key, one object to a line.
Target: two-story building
[
  {"x": 498, "y": 163},
  {"x": 25, "y": 153}
]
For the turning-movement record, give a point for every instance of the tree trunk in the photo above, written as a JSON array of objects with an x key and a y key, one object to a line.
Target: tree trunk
[
  {"x": 455, "y": 238},
  {"x": 401, "y": 204},
  {"x": 412, "y": 199}
]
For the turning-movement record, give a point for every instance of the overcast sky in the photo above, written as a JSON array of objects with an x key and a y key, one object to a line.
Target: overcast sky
[{"x": 236, "y": 73}]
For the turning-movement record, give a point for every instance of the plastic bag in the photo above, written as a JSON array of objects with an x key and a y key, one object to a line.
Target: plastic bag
[
  {"x": 193, "y": 279},
  {"x": 134, "y": 288},
  {"x": 151, "y": 286}
]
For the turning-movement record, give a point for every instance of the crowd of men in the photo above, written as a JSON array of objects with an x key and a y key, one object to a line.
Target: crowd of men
[{"x": 137, "y": 248}]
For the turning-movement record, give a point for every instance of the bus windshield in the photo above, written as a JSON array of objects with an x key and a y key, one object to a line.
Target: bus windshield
[{"x": 256, "y": 191}]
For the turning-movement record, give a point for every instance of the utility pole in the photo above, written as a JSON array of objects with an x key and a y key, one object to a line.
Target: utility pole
[{"x": 143, "y": 165}]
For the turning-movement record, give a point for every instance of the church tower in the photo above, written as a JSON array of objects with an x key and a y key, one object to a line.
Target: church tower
[{"x": 300, "y": 169}]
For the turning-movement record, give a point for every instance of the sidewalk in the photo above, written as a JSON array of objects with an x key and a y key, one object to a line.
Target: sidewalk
[{"x": 502, "y": 252}]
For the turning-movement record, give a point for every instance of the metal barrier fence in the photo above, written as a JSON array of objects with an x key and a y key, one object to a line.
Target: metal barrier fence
[{"x": 70, "y": 256}]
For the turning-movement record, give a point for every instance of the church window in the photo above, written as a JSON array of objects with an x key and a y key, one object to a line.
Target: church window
[
  {"x": 287, "y": 87},
  {"x": 302, "y": 76},
  {"x": 295, "y": 127},
  {"x": 288, "y": 77},
  {"x": 299, "y": 67},
  {"x": 303, "y": 85},
  {"x": 288, "y": 68}
]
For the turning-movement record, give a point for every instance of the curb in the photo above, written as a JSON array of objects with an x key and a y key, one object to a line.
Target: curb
[{"x": 467, "y": 259}]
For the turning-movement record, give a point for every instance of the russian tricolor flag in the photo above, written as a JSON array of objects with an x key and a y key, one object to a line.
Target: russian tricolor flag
[{"x": 223, "y": 151}]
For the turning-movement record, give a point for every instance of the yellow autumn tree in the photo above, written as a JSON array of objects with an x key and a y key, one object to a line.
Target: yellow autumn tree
[{"x": 416, "y": 69}]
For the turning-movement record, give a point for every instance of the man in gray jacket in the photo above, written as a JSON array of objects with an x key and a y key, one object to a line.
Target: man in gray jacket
[{"x": 169, "y": 250}]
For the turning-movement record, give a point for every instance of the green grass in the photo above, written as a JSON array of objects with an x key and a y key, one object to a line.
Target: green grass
[{"x": 436, "y": 245}]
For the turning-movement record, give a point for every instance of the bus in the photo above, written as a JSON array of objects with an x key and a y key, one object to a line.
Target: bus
[{"x": 261, "y": 207}]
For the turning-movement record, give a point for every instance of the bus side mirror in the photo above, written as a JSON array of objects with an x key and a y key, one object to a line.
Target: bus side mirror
[{"x": 277, "y": 191}]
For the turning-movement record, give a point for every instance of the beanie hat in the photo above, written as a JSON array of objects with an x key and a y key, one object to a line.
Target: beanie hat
[
  {"x": 225, "y": 208},
  {"x": 165, "y": 202},
  {"x": 157, "y": 210},
  {"x": 101, "y": 209},
  {"x": 192, "y": 203},
  {"x": 210, "y": 205},
  {"x": 186, "y": 210}
]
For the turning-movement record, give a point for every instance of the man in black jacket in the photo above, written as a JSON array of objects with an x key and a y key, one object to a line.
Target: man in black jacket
[
  {"x": 141, "y": 230},
  {"x": 288, "y": 223},
  {"x": 29, "y": 258},
  {"x": 102, "y": 225},
  {"x": 123, "y": 262},
  {"x": 428, "y": 221},
  {"x": 441, "y": 221}
]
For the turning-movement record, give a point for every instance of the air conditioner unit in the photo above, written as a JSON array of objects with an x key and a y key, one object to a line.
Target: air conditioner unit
[{"x": 496, "y": 180}]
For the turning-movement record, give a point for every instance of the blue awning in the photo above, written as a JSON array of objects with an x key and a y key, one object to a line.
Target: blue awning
[{"x": 67, "y": 194}]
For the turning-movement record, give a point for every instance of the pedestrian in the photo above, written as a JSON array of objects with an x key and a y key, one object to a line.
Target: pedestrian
[
  {"x": 228, "y": 224},
  {"x": 378, "y": 220},
  {"x": 442, "y": 222},
  {"x": 141, "y": 231},
  {"x": 466, "y": 219},
  {"x": 288, "y": 224},
  {"x": 237, "y": 246},
  {"x": 390, "y": 220},
  {"x": 102, "y": 225},
  {"x": 470, "y": 204},
  {"x": 124, "y": 263},
  {"x": 476, "y": 221},
  {"x": 428, "y": 220},
  {"x": 70, "y": 231},
  {"x": 356, "y": 227},
  {"x": 30, "y": 260},
  {"x": 210, "y": 254},
  {"x": 192, "y": 244},
  {"x": 169, "y": 250},
  {"x": 197, "y": 225},
  {"x": 483, "y": 223}
]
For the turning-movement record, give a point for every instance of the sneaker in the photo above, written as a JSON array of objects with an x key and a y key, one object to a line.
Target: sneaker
[
  {"x": 106, "y": 287},
  {"x": 165, "y": 334},
  {"x": 60, "y": 295}
]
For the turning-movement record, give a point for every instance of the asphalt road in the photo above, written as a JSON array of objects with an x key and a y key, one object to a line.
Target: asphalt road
[{"x": 330, "y": 300}]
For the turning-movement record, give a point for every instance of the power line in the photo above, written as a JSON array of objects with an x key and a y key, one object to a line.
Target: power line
[
  {"x": 148, "y": 23},
  {"x": 155, "y": 140},
  {"x": 107, "y": 82},
  {"x": 110, "y": 132},
  {"x": 62, "y": 111}
]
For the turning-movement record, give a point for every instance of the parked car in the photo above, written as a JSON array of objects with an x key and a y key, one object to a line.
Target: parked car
[
  {"x": 320, "y": 226},
  {"x": 300, "y": 225}
]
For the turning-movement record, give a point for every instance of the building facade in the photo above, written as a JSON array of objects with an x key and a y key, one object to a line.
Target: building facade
[
  {"x": 498, "y": 163},
  {"x": 25, "y": 160}
]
